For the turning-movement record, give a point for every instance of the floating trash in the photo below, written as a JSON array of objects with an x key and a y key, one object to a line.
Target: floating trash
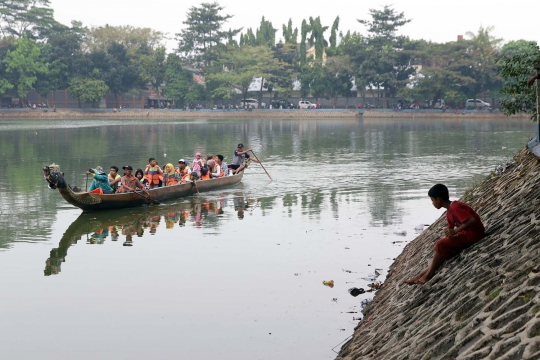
[
  {"x": 356, "y": 291},
  {"x": 370, "y": 277},
  {"x": 365, "y": 302},
  {"x": 401, "y": 233},
  {"x": 374, "y": 286},
  {"x": 329, "y": 283}
]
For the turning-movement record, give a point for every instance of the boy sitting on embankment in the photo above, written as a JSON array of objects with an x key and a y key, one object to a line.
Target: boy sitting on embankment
[{"x": 464, "y": 229}]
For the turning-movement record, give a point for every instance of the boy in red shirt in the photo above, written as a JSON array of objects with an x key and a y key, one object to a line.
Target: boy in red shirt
[{"x": 464, "y": 229}]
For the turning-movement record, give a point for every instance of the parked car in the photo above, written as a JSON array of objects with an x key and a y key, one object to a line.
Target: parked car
[
  {"x": 276, "y": 104},
  {"x": 253, "y": 103},
  {"x": 476, "y": 104},
  {"x": 304, "y": 104}
]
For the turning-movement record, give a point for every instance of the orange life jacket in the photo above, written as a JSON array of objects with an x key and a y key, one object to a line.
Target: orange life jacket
[
  {"x": 206, "y": 177},
  {"x": 170, "y": 179},
  {"x": 185, "y": 178},
  {"x": 115, "y": 186},
  {"x": 153, "y": 175},
  {"x": 183, "y": 172}
]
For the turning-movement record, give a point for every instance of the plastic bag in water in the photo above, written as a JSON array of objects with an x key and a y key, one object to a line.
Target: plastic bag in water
[{"x": 356, "y": 291}]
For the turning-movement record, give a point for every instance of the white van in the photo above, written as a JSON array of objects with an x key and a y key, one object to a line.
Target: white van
[
  {"x": 253, "y": 103},
  {"x": 304, "y": 104},
  {"x": 476, "y": 104}
]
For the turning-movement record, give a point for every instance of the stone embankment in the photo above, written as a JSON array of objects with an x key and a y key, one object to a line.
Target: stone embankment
[
  {"x": 221, "y": 114},
  {"x": 483, "y": 304}
]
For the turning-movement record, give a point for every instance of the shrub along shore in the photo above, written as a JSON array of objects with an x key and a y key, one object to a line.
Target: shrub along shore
[{"x": 206, "y": 113}]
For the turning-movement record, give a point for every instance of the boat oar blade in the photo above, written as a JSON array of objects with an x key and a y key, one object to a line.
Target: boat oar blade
[
  {"x": 260, "y": 163},
  {"x": 148, "y": 198}
]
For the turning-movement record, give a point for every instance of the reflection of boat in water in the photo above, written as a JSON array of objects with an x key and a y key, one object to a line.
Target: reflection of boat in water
[
  {"x": 87, "y": 201},
  {"x": 97, "y": 227}
]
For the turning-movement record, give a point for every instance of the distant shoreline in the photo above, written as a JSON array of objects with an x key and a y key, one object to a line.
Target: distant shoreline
[{"x": 61, "y": 114}]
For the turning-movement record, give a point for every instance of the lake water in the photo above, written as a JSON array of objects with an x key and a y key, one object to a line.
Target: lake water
[{"x": 232, "y": 274}]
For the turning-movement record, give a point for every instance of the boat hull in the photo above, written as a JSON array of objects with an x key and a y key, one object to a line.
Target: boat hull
[{"x": 98, "y": 202}]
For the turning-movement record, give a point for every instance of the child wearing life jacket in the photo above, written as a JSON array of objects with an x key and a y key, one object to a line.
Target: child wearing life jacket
[
  {"x": 170, "y": 176},
  {"x": 139, "y": 174},
  {"x": 205, "y": 172},
  {"x": 114, "y": 178},
  {"x": 153, "y": 173},
  {"x": 197, "y": 163}
]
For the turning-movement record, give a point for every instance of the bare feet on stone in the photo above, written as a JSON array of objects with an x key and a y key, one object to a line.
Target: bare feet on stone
[{"x": 414, "y": 280}]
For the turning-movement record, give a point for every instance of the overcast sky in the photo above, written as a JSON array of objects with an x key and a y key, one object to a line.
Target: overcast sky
[{"x": 436, "y": 21}]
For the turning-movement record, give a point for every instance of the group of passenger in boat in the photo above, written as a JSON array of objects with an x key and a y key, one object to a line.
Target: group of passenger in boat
[{"x": 153, "y": 176}]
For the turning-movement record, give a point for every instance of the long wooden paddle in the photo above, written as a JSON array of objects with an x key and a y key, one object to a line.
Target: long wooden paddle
[
  {"x": 146, "y": 197},
  {"x": 260, "y": 163},
  {"x": 86, "y": 182}
]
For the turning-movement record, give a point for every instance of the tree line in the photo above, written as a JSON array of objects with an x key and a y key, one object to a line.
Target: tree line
[{"x": 38, "y": 53}]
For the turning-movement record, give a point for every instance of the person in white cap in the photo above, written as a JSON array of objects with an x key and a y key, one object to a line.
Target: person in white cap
[{"x": 183, "y": 169}]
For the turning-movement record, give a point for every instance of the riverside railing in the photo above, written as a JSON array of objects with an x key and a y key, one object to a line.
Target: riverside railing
[{"x": 327, "y": 110}]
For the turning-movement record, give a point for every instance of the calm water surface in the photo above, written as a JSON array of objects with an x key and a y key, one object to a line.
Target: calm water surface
[{"x": 231, "y": 274}]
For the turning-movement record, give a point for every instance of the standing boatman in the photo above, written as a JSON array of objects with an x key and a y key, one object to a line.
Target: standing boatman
[{"x": 239, "y": 158}]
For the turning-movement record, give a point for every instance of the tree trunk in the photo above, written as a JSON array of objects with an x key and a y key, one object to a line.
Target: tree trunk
[
  {"x": 244, "y": 94},
  {"x": 261, "y": 92}
]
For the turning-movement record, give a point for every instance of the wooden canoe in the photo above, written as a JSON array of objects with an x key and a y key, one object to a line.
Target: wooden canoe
[{"x": 97, "y": 202}]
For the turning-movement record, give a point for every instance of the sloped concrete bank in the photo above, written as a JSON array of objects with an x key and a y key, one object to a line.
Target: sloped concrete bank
[
  {"x": 483, "y": 304},
  {"x": 220, "y": 114}
]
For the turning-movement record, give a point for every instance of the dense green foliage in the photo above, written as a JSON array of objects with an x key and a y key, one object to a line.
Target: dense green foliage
[
  {"x": 38, "y": 53},
  {"x": 23, "y": 65},
  {"x": 515, "y": 69},
  {"x": 88, "y": 90}
]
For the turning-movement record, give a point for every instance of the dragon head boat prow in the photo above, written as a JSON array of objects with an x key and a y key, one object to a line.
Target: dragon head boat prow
[{"x": 54, "y": 177}]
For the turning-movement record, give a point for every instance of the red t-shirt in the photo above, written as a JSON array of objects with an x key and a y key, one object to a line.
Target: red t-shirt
[{"x": 460, "y": 212}]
